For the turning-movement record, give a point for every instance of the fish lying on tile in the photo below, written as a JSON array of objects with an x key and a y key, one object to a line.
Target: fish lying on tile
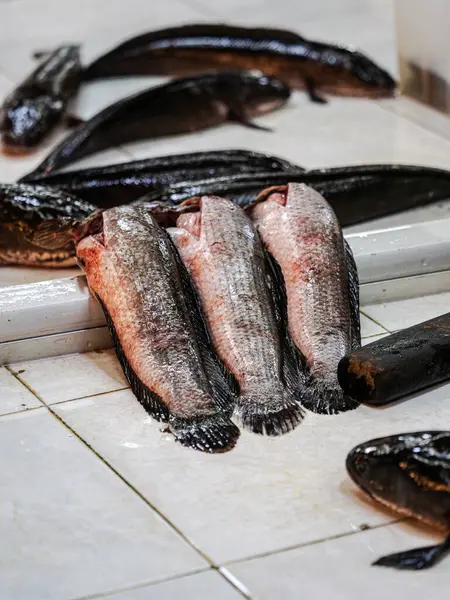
[
  {"x": 31, "y": 212},
  {"x": 409, "y": 473},
  {"x": 303, "y": 235},
  {"x": 300, "y": 62},
  {"x": 121, "y": 183},
  {"x": 229, "y": 268},
  {"x": 181, "y": 106},
  {"x": 134, "y": 270},
  {"x": 39, "y": 103},
  {"x": 356, "y": 193}
]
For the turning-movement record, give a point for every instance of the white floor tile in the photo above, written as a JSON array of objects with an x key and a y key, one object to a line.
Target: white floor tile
[
  {"x": 20, "y": 275},
  {"x": 264, "y": 495},
  {"x": 69, "y": 527},
  {"x": 341, "y": 569},
  {"x": 103, "y": 25},
  {"x": 405, "y": 313},
  {"x": 203, "y": 586},
  {"x": 77, "y": 376},
  {"x": 14, "y": 396}
]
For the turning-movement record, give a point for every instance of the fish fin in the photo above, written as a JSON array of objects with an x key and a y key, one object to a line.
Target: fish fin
[
  {"x": 53, "y": 234},
  {"x": 313, "y": 95},
  {"x": 353, "y": 294},
  {"x": 239, "y": 117},
  {"x": 72, "y": 121},
  {"x": 274, "y": 416},
  {"x": 216, "y": 433},
  {"x": 417, "y": 558},
  {"x": 149, "y": 400},
  {"x": 221, "y": 381},
  {"x": 326, "y": 397}
]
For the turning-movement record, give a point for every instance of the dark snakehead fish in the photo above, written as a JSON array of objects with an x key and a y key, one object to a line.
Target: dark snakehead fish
[
  {"x": 409, "y": 473},
  {"x": 134, "y": 270},
  {"x": 122, "y": 183},
  {"x": 181, "y": 106},
  {"x": 356, "y": 193},
  {"x": 300, "y": 62},
  {"x": 38, "y": 104},
  {"x": 27, "y": 212},
  {"x": 228, "y": 266},
  {"x": 301, "y": 231}
]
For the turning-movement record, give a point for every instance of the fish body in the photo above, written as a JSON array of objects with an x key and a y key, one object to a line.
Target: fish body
[
  {"x": 134, "y": 270},
  {"x": 301, "y": 63},
  {"x": 227, "y": 263},
  {"x": 409, "y": 473},
  {"x": 181, "y": 106},
  {"x": 302, "y": 233},
  {"x": 356, "y": 193},
  {"x": 122, "y": 183},
  {"x": 26, "y": 211},
  {"x": 38, "y": 104}
]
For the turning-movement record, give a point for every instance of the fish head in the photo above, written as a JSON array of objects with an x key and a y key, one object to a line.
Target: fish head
[
  {"x": 405, "y": 472},
  {"x": 350, "y": 73},
  {"x": 27, "y": 117},
  {"x": 36, "y": 224},
  {"x": 111, "y": 230},
  {"x": 262, "y": 94}
]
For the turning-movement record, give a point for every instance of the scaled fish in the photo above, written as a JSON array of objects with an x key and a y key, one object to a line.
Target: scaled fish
[
  {"x": 300, "y": 62},
  {"x": 181, "y": 106},
  {"x": 357, "y": 193},
  {"x": 302, "y": 233},
  {"x": 38, "y": 104},
  {"x": 27, "y": 213},
  {"x": 134, "y": 270},
  {"x": 409, "y": 473},
  {"x": 228, "y": 265},
  {"x": 121, "y": 183}
]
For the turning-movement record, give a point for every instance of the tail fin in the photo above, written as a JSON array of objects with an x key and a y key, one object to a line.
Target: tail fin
[
  {"x": 268, "y": 414},
  {"x": 326, "y": 397},
  {"x": 215, "y": 433}
]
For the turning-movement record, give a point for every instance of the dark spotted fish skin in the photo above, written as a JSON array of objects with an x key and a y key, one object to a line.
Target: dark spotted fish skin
[
  {"x": 134, "y": 270},
  {"x": 24, "y": 211},
  {"x": 356, "y": 193},
  {"x": 181, "y": 106},
  {"x": 227, "y": 263},
  {"x": 410, "y": 474},
  {"x": 302, "y": 233},
  {"x": 301, "y": 63},
  {"x": 122, "y": 183},
  {"x": 38, "y": 104}
]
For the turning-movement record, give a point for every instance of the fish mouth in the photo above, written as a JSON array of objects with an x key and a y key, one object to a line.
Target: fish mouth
[{"x": 92, "y": 226}]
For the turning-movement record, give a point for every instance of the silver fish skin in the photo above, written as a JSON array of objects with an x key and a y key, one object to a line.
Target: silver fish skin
[
  {"x": 133, "y": 268},
  {"x": 303, "y": 234},
  {"x": 228, "y": 265}
]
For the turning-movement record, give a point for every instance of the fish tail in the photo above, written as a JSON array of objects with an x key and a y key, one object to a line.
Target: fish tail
[
  {"x": 268, "y": 414},
  {"x": 326, "y": 397},
  {"x": 215, "y": 433}
]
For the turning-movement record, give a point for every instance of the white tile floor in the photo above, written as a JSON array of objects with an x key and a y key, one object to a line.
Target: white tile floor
[{"x": 95, "y": 500}]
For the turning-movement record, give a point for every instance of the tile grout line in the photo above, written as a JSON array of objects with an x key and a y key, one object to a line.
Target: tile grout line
[
  {"x": 139, "y": 586},
  {"x": 120, "y": 476},
  {"x": 376, "y": 322},
  {"x": 312, "y": 543}
]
